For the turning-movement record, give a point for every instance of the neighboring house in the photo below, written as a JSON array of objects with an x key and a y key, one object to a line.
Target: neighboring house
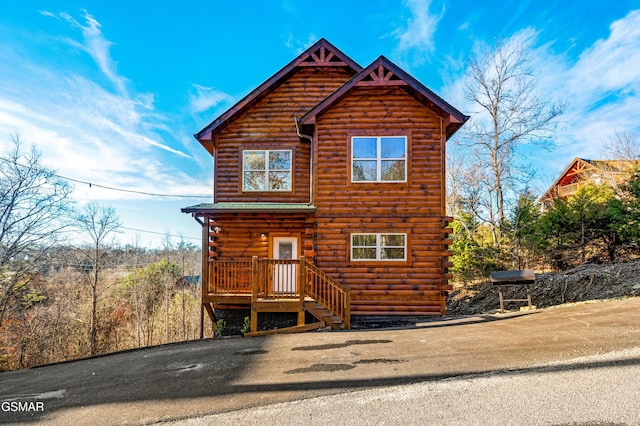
[
  {"x": 329, "y": 194},
  {"x": 582, "y": 172}
]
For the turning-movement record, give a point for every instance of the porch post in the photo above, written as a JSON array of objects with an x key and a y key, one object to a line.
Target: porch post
[
  {"x": 255, "y": 281},
  {"x": 302, "y": 288},
  {"x": 204, "y": 271}
]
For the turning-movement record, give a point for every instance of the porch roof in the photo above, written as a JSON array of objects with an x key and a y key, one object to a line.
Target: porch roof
[{"x": 249, "y": 207}]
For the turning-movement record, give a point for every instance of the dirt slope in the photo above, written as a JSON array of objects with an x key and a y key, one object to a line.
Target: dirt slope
[{"x": 585, "y": 282}]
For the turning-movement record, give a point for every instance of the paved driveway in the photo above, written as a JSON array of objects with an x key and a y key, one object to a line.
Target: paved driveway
[{"x": 201, "y": 378}]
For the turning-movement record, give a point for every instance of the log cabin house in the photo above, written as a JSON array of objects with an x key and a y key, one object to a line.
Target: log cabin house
[
  {"x": 329, "y": 195},
  {"x": 581, "y": 172}
]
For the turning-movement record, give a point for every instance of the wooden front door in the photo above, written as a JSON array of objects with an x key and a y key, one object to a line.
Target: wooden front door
[{"x": 285, "y": 276}]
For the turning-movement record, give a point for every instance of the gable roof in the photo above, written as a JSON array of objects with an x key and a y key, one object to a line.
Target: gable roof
[
  {"x": 383, "y": 72},
  {"x": 321, "y": 53}
]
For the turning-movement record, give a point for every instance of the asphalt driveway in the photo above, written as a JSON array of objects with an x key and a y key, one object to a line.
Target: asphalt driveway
[{"x": 196, "y": 379}]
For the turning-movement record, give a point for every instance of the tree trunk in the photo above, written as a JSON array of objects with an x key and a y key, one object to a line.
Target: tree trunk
[
  {"x": 93, "y": 334},
  {"x": 583, "y": 242}
]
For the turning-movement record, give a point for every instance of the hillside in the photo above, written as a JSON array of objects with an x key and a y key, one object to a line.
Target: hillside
[{"x": 585, "y": 282}]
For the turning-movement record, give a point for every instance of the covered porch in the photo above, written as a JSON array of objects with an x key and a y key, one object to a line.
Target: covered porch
[{"x": 277, "y": 285}]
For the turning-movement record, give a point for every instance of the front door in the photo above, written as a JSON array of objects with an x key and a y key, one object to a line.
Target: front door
[{"x": 285, "y": 276}]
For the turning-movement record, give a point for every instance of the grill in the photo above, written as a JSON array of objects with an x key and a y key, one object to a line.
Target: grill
[{"x": 516, "y": 278}]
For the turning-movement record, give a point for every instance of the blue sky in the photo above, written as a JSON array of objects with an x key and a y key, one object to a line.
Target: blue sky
[{"x": 112, "y": 92}]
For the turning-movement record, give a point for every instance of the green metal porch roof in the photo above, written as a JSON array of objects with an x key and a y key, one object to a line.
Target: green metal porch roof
[{"x": 249, "y": 207}]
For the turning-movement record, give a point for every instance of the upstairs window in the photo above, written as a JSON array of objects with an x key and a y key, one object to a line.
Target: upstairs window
[
  {"x": 379, "y": 159},
  {"x": 266, "y": 170},
  {"x": 378, "y": 246}
]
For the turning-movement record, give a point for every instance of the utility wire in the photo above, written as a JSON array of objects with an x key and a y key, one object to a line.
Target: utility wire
[
  {"x": 121, "y": 190},
  {"x": 159, "y": 233},
  {"x": 111, "y": 188},
  {"x": 131, "y": 190}
]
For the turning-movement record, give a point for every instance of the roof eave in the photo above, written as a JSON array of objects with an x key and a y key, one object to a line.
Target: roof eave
[{"x": 413, "y": 87}]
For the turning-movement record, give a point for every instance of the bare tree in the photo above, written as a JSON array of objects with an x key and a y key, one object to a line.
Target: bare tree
[
  {"x": 624, "y": 149},
  {"x": 35, "y": 210},
  {"x": 98, "y": 223},
  {"x": 623, "y": 146},
  {"x": 511, "y": 113}
]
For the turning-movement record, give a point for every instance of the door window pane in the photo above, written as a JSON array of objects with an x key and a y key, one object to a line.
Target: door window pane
[{"x": 285, "y": 250}]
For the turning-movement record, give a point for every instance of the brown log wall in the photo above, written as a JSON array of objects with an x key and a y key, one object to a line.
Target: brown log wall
[
  {"x": 240, "y": 236},
  {"x": 269, "y": 124},
  {"x": 414, "y": 287}
]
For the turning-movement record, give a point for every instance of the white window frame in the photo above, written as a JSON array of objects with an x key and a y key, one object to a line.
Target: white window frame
[
  {"x": 267, "y": 170},
  {"x": 378, "y": 159},
  {"x": 378, "y": 247}
]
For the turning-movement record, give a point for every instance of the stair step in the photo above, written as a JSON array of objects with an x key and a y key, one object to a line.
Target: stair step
[{"x": 322, "y": 314}]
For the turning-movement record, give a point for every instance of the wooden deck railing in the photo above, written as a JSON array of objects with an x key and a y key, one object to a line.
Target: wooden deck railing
[
  {"x": 567, "y": 190},
  {"x": 278, "y": 279},
  {"x": 229, "y": 277}
]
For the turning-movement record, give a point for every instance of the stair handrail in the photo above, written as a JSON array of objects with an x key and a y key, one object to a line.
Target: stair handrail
[{"x": 328, "y": 292}]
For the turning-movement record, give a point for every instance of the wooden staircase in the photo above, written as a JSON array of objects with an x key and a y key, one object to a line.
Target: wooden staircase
[
  {"x": 302, "y": 288},
  {"x": 317, "y": 293},
  {"x": 322, "y": 314}
]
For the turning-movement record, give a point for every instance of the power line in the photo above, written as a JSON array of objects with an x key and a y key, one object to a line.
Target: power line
[
  {"x": 91, "y": 184},
  {"x": 159, "y": 233},
  {"x": 111, "y": 188},
  {"x": 121, "y": 190}
]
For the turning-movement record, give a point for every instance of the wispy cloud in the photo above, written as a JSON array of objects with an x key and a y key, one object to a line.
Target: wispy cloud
[
  {"x": 416, "y": 37},
  {"x": 205, "y": 98},
  {"x": 299, "y": 45},
  {"x": 94, "y": 44},
  {"x": 101, "y": 132},
  {"x": 601, "y": 88}
]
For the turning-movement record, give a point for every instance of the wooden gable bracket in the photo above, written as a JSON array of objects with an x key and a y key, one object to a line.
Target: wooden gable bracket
[
  {"x": 383, "y": 72},
  {"x": 382, "y": 76},
  {"x": 322, "y": 57}
]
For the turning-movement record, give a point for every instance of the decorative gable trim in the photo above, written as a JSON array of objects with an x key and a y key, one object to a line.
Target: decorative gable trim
[
  {"x": 382, "y": 76},
  {"x": 327, "y": 57},
  {"x": 579, "y": 166},
  {"x": 320, "y": 54},
  {"x": 383, "y": 72}
]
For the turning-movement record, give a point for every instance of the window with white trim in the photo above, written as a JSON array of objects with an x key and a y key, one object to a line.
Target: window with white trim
[
  {"x": 266, "y": 170},
  {"x": 379, "y": 159},
  {"x": 385, "y": 247}
]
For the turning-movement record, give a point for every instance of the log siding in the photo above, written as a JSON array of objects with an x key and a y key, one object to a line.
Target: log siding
[
  {"x": 327, "y": 96},
  {"x": 270, "y": 124},
  {"x": 414, "y": 207}
]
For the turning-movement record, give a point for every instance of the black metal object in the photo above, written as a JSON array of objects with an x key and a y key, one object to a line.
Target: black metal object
[
  {"x": 523, "y": 277},
  {"x": 515, "y": 277}
]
